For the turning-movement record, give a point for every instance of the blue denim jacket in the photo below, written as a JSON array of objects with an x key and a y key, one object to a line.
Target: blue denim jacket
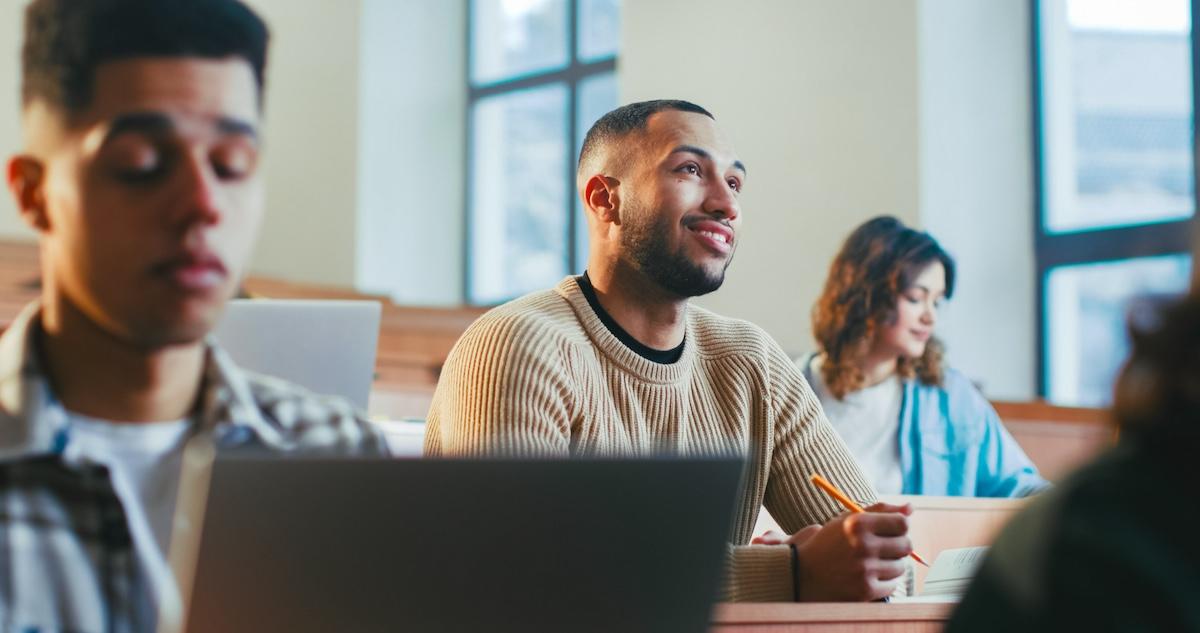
[{"x": 952, "y": 443}]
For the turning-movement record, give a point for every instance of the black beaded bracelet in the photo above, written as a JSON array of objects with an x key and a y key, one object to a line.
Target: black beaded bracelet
[{"x": 795, "y": 573}]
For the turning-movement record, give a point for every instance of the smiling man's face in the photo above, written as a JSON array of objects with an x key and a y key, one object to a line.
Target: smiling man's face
[
  {"x": 150, "y": 198},
  {"x": 680, "y": 217}
]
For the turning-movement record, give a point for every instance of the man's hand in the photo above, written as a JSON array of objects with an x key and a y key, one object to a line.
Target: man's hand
[{"x": 854, "y": 557}]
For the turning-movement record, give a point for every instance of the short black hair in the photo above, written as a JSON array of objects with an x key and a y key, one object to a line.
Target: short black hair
[
  {"x": 65, "y": 40},
  {"x": 629, "y": 118}
]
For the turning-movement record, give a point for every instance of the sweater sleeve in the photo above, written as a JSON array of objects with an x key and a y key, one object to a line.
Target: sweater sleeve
[
  {"x": 503, "y": 391},
  {"x": 802, "y": 442},
  {"x": 805, "y": 443},
  {"x": 758, "y": 573}
]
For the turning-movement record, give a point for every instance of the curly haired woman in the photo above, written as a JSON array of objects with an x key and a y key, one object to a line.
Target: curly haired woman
[{"x": 915, "y": 425}]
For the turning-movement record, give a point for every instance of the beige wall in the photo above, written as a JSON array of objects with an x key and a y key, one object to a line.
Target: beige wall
[
  {"x": 11, "y": 226},
  {"x": 845, "y": 109},
  {"x": 820, "y": 97},
  {"x": 977, "y": 184},
  {"x": 311, "y": 144},
  {"x": 412, "y": 145},
  {"x": 842, "y": 109}
]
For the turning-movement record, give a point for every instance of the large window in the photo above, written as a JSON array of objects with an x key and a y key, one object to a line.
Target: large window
[
  {"x": 1116, "y": 188},
  {"x": 540, "y": 72}
]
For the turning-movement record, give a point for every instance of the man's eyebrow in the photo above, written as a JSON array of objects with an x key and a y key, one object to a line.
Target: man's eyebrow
[
  {"x": 226, "y": 125},
  {"x": 152, "y": 123},
  {"x": 705, "y": 154},
  {"x": 157, "y": 123}
]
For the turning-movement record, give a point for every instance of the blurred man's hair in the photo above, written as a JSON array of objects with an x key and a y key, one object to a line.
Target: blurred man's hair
[
  {"x": 1158, "y": 391},
  {"x": 65, "y": 40}
]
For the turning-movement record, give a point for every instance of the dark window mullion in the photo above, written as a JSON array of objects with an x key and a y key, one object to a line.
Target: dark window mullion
[{"x": 572, "y": 123}]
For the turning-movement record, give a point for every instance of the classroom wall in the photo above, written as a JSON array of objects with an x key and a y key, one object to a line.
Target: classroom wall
[
  {"x": 412, "y": 146},
  {"x": 311, "y": 153},
  {"x": 820, "y": 97},
  {"x": 11, "y": 226},
  {"x": 842, "y": 109},
  {"x": 977, "y": 183},
  {"x": 845, "y": 109}
]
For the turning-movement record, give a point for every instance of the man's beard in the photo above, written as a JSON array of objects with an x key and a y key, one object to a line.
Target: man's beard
[{"x": 646, "y": 245}]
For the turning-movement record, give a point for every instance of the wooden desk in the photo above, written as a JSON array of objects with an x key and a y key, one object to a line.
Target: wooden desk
[
  {"x": 941, "y": 523},
  {"x": 830, "y": 618}
]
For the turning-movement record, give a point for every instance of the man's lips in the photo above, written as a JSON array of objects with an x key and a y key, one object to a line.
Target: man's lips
[
  {"x": 716, "y": 235},
  {"x": 193, "y": 271}
]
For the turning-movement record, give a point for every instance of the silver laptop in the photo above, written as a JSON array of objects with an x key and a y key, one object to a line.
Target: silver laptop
[
  {"x": 320, "y": 544},
  {"x": 325, "y": 346}
]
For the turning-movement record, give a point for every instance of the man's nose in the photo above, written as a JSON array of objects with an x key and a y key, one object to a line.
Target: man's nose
[
  {"x": 200, "y": 192},
  {"x": 722, "y": 200}
]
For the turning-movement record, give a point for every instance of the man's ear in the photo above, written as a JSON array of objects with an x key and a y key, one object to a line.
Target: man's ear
[
  {"x": 601, "y": 197},
  {"x": 26, "y": 181}
]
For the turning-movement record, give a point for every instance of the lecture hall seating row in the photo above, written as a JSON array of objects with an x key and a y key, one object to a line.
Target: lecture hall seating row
[{"x": 414, "y": 342}]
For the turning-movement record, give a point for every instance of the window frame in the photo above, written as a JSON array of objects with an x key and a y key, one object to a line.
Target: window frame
[
  {"x": 572, "y": 76},
  {"x": 1103, "y": 244}
]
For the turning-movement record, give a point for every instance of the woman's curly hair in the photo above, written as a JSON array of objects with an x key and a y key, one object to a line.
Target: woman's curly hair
[{"x": 877, "y": 263}]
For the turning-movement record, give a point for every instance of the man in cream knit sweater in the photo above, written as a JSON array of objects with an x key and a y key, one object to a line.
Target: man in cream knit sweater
[{"x": 616, "y": 362}]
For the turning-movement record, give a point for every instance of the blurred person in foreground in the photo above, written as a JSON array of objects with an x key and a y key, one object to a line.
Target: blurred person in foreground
[
  {"x": 139, "y": 173},
  {"x": 1114, "y": 547}
]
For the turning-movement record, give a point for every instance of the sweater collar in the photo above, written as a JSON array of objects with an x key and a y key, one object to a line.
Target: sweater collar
[{"x": 612, "y": 347}]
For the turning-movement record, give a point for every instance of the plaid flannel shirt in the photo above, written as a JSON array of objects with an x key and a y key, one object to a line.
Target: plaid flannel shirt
[{"x": 67, "y": 560}]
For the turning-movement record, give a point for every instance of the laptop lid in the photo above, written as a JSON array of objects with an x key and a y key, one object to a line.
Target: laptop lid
[
  {"x": 326, "y": 346},
  {"x": 318, "y": 544}
]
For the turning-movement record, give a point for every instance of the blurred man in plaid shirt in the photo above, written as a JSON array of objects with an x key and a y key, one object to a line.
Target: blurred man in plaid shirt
[{"x": 140, "y": 175}]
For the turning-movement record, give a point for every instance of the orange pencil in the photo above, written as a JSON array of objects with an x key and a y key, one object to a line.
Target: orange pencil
[{"x": 849, "y": 504}]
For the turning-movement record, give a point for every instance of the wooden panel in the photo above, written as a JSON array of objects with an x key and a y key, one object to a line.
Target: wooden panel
[
  {"x": 1044, "y": 411},
  {"x": 1057, "y": 439},
  {"x": 830, "y": 618}
]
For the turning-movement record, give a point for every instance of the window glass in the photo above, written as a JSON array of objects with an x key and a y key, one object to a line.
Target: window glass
[
  {"x": 519, "y": 193},
  {"x": 1086, "y": 313},
  {"x": 1116, "y": 112},
  {"x": 599, "y": 28},
  {"x": 511, "y": 38}
]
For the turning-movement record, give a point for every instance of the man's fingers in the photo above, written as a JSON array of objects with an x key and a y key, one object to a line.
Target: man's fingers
[
  {"x": 883, "y": 588},
  {"x": 770, "y": 537},
  {"x": 894, "y": 547},
  {"x": 889, "y": 569},
  {"x": 879, "y": 524},
  {"x": 905, "y": 508}
]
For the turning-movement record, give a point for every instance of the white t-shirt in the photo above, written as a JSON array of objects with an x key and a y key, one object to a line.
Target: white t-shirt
[
  {"x": 869, "y": 421},
  {"x": 144, "y": 462}
]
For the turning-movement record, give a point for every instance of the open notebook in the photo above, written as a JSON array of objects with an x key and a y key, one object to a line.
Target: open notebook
[{"x": 950, "y": 575}]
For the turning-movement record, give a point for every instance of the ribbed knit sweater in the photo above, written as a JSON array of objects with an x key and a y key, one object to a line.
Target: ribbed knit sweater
[{"x": 542, "y": 376}]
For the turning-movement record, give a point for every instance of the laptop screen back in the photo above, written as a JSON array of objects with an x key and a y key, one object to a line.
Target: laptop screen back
[
  {"x": 325, "y": 346},
  {"x": 445, "y": 545}
]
